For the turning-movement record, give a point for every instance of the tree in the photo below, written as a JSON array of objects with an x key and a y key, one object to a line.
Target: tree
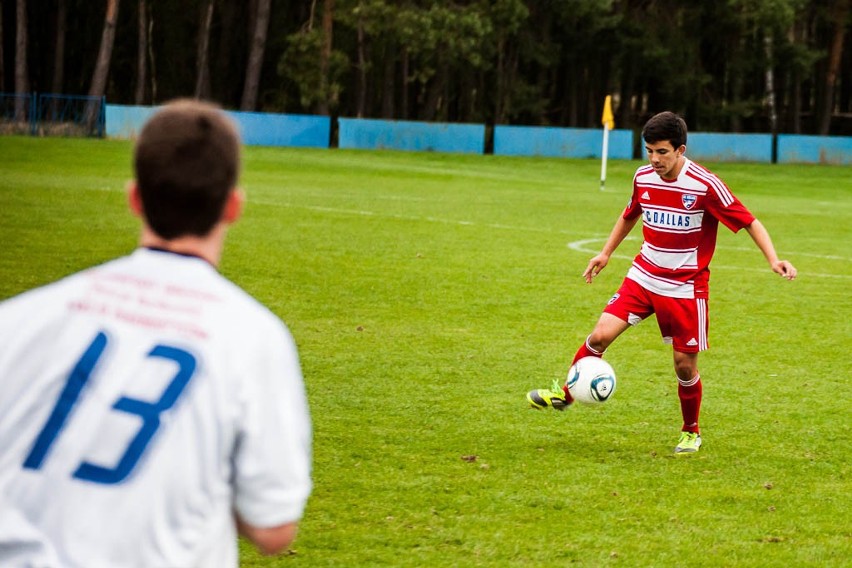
[
  {"x": 496, "y": 61},
  {"x": 202, "y": 73},
  {"x": 2, "y": 70},
  {"x": 255, "y": 59},
  {"x": 141, "y": 53},
  {"x": 22, "y": 84},
  {"x": 840, "y": 15},
  {"x": 99, "y": 77},
  {"x": 325, "y": 57},
  {"x": 315, "y": 73},
  {"x": 59, "y": 48}
]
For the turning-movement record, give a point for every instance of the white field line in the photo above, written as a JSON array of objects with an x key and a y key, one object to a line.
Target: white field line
[{"x": 578, "y": 246}]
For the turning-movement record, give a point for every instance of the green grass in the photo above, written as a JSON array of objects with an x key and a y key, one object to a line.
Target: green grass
[{"x": 429, "y": 292}]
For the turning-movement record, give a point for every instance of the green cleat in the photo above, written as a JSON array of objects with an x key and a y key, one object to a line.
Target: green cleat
[
  {"x": 544, "y": 398},
  {"x": 688, "y": 443}
]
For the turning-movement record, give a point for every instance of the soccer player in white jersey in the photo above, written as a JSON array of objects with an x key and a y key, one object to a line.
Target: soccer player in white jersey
[
  {"x": 150, "y": 409},
  {"x": 681, "y": 205}
]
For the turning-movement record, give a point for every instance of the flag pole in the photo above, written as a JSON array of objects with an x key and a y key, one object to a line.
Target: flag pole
[
  {"x": 608, "y": 122},
  {"x": 604, "y": 151}
]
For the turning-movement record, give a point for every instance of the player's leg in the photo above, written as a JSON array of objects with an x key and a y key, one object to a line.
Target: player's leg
[
  {"x": 627, "y": 307},
  {"x": 684, "y": 323},
  {"x": 608, "y": 328},
  {"x": 689, "y": 392},
  {"x": 606, "y": 331}
]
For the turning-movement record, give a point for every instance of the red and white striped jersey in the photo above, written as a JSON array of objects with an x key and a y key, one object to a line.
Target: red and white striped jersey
[{"x": 680, "y": 219}]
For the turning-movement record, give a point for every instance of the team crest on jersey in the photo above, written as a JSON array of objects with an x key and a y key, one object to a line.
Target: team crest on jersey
[{"x": 688, "y": 200}]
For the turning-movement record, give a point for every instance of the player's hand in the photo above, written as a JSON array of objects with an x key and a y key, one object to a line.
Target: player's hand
[
  {"x": 785, "y": 269},
  {"x": 595, "y": 266}
]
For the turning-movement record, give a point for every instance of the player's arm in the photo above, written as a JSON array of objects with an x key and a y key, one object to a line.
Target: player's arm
[
  {"x": 760, "y": 236},
  {"x": 621, "y": 229},
  {"x": 269, "y": 541}
]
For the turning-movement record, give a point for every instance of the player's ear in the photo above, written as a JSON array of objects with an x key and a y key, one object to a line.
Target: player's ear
[
  {"x": 234, "y": 206},
  {"x": 682, "y": 149},
  {"x": 134, "y": 200}
]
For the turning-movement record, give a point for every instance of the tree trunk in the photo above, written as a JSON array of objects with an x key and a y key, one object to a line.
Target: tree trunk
[
  {"x": 229, "y": 70},
  {"x": 434, "y": 101},
  {"x": 839, "y": 15},
  {"x": 325, "y": 56},
  {"x": 403, "y": 113},
  {"x": 99, "y": 77},
  {"x": 388, "y": 85},
  {"x": 769, "y": 78},
  {"x": 361, "y": 97},
  {"x": 500, "y": 79},
  {"x": 202, "y": 74},
  {"x": 22, "y": 84},
  {"x": 2, "y": 68},
  {"x": 150, "y": 43},
  {"x": 795, "y": 106},
  {"x": 255, "y": 61},
  {"x": 141, "y": 54},
  {"x": 59, "y": 49}
]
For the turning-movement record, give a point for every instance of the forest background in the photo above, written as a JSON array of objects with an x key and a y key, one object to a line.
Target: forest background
[{"x": 725, "y": 65}]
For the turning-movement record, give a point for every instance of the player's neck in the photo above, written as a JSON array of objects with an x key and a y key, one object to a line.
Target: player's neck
[
  {"x": 675, "y": 173},
  {"x": 208, "y": 248}
]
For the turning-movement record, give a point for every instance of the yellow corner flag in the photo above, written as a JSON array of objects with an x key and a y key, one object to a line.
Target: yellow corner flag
[{"x": 608, "y": 119}]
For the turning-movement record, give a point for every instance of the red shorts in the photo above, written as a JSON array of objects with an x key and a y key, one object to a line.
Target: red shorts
[{"x": 683, "y": 321}]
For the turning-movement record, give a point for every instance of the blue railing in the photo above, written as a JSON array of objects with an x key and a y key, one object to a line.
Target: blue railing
[{"x": 49, "y": 114}]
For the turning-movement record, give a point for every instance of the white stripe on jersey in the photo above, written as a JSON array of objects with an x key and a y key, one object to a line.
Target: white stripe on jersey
[
  {"x": 672, "y": 259},
  {"x": 719, "y": 188},
  {"x": 660, "y": 285}
]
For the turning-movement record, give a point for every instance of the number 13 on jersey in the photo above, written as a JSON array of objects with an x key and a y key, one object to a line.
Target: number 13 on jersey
[{"x": 149, "y": 412}]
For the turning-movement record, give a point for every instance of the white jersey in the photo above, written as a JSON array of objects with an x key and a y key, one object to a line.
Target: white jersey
[{"x": 142, "y": 403}]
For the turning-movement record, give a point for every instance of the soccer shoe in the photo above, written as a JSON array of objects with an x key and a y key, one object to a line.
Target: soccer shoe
[
  {"x": 688, "y": 443},
  {"x": 553, "y": 398}
]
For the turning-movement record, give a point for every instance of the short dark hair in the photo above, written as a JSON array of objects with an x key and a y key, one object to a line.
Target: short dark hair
[
  {"x": 186, "y": 161},
  {"x": 665, "y": 126}
]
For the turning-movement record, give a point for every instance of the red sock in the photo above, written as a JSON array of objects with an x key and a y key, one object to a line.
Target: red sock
[
  {"x": 583, "y": 351},
  {"x": 690, "y": 402},
  {"x": 586, "y": 351}
]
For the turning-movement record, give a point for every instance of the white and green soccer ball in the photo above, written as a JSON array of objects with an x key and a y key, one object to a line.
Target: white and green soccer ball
[{"x": 591, "y": 380}]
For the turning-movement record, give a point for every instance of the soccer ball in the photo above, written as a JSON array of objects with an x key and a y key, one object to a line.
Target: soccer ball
[{"x": 591, "y": 380}]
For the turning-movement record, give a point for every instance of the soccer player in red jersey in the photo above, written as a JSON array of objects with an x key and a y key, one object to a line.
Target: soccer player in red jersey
[{"x": 681, "y": 205}]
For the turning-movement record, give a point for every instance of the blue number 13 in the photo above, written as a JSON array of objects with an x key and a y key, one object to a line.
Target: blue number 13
[{"x": 149, "y": 412}]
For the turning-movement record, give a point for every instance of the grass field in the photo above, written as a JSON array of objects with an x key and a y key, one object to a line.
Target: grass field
[{"x": 428, "y": 293}]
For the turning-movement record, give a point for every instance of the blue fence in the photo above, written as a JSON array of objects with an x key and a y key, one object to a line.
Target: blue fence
[
  {"x": 718, "y": 147},
  {"x": 17, "y": 113},
  {"x": 561, "y": 142},
  {"x": 90, "y": 116},
  {"x": 52, "y": 115},
  {"x": 836, "y": 150},
  {"x": 257, "y": 129},
  {"x": 405, "y": 135},
  {"x": 314, "y": 131}
]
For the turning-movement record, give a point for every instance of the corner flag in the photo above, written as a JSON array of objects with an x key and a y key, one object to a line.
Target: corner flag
[{"x": 608, "y": 122}]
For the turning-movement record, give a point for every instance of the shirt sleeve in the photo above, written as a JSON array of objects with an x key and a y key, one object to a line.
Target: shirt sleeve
[
  {"x": 725, "y": 207},
  {"x": 272, "y": 463},
  {"x": 633, "y": 208}
]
